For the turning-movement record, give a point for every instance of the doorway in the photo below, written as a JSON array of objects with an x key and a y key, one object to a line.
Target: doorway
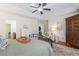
[
  {"x": 8, "y": 31},
  {"x": 44, "y": 26}
]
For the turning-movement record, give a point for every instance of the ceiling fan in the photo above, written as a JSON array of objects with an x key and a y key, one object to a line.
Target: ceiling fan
[{"x": 40, "y": 8}]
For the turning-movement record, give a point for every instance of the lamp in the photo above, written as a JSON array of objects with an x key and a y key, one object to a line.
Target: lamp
[{"x": 54, "y": 31}]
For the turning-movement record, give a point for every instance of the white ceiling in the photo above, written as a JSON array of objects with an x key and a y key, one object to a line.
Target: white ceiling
[{"x": 26, "y": 10}]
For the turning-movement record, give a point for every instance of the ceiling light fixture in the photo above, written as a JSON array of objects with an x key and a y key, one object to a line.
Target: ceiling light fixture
[{"x": 40, "y": 9}]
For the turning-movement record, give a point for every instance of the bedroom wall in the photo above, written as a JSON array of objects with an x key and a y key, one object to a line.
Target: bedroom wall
[
  {"x": 54, "y": 20},
  {"x": 2, "y": 27},
  {"x": 30, "y": 23}
]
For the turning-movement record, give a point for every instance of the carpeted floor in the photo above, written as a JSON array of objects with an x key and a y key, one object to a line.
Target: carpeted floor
[{"x": 61, "y": 50}]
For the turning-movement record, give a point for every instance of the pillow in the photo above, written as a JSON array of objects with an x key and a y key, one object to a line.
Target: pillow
[{"x": 23, "y": 39}]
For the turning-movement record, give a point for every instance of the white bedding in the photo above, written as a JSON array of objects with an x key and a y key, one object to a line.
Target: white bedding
[{"x": 33, "y": 48}]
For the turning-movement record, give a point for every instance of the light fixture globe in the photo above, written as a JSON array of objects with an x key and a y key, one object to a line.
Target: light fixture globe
[{"x": 40, "y": 9}]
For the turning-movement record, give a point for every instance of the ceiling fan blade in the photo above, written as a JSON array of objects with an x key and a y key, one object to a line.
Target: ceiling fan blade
[
  {"x": 33, "y": 6},
  {"x": 39, "y": 4},
  {"x": 44, "y": 4},
  {"x": 41, "y": 12},
  {"x": 47, "y": 9},
  {"x": 34, "y": 11}
]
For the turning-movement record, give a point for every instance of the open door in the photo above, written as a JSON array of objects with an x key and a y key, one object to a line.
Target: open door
[{"x": 8, "y": 31}]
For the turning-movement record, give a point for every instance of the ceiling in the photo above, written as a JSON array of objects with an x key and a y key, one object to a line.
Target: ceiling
[{"x": 26, "y": 10}]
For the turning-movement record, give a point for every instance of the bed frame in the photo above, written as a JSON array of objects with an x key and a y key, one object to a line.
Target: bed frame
[{"x": 43, "y": 38}]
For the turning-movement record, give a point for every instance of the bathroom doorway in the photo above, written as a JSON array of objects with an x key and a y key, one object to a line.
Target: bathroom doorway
[
  {"x": 8, "y": 31},
  {"x": 11, "y": 29},
  {"x": 43, "y": 24}
]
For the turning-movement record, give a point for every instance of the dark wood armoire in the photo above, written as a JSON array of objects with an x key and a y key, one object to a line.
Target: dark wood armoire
[{"x": 72, "y": 31}]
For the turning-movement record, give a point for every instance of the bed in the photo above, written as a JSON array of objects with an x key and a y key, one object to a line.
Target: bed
[{"x": 33, "y": 48}]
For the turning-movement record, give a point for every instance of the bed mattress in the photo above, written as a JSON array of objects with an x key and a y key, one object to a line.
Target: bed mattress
[{"x": 33, "y": 48}]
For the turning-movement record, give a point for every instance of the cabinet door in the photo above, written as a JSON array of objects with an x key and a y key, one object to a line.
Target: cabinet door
[
  {"x": 76, "y": 31},
  {"x": 68, "y": 30},
  {"x": 72, "y": 30}
]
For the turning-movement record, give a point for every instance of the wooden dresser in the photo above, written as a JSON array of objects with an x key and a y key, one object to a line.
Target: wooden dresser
[{"x": 72, "y": 31}]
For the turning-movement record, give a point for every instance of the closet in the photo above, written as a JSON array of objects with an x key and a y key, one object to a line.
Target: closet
[{"x": 72, "y": 31}]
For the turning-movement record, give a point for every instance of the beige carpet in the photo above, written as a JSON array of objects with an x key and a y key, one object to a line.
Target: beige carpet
[{"x": 61, "y": 50}]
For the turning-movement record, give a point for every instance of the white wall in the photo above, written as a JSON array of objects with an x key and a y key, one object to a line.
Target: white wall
[
  {"x": 2, "y": 27},
  {"x": 60, "y": 20},
  {"x": 30, "y": 24},
  {"x": 21, "y": 20}
]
